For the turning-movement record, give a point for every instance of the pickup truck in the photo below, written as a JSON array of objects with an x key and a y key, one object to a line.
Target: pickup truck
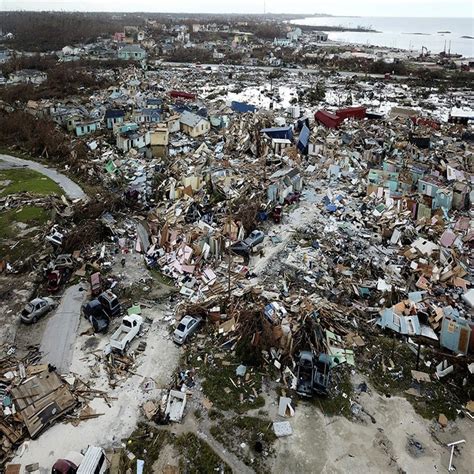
[{"x": 124, "y": 335}]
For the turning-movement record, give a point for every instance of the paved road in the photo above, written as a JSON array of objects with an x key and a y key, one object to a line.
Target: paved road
[
  {"x": 57, "y": 344},
  {"x": 70, "y": 188}
]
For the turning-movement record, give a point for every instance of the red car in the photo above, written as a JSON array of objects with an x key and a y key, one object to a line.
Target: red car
[{"x": 292, "y": 198}]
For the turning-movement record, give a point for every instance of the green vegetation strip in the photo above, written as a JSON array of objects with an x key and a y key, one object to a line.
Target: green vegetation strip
[
  {"x": 19, "y": 180},
  {"x": 31, "y": 215}
]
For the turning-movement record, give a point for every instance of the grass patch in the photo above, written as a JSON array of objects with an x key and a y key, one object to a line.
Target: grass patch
[
  {"x": 388, "y": 363},
  {"x": 19, "y": 180},
  {"x": 224, "y": 395},
  {"x": 146, "y": 443},
  {"x": 31, "y": 215},
  {"x": 198, "y": 457},
  {"x": 337, "y": 402},
  {"x": 161, "y": 278},
  {"x": 249, "y": 430}
]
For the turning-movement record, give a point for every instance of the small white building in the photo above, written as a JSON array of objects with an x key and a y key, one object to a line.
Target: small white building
[
  {"x": 194, "y": 125},
  {"x": 132, "y": 139}
]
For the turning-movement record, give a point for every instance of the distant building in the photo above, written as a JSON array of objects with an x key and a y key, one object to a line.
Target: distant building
[
  {"x": 132, "y": 52},
  {"x": 28, "y": 76},
  {"x": 321, "y": 36},
  {"x": 294, "y": 35},
  {"x": 281, "y": 42}
]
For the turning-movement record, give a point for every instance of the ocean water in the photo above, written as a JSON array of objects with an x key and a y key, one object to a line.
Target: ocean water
[{"x": 404, "y": 33}]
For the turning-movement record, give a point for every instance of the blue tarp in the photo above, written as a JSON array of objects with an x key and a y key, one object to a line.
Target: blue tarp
[
  {"x": 303, "y": 140},
  {"x": 279, "y": 132},
  {"x": 242, "y": 107}
]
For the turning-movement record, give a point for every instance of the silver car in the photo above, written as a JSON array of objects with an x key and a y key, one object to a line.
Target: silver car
[
  {"x": 36, "y": 308},
  {"x": 186, "y": 327}
]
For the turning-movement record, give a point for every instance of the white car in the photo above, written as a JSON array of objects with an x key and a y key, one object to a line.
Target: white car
[{"x": 186, "y": 327}]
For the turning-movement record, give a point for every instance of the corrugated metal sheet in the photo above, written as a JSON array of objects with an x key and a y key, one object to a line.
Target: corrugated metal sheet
[
  {"x": 303, "y": 140},
  {"x": 242, "y": 107},
  {"x": 327, "y": 119}
]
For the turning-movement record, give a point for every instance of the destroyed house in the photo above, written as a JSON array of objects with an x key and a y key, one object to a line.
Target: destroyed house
[
  {"x": 352, "y": 112},
  {"x": 278, "y": 132},
  {"x": 283, "y": 183},
  {"x": 159, "y": 136},
  {"x": 132, "y": 139},
  {"x": 28, "y": 76},
  {"x": 84, "y": 128},
  {"x": 438, "y": 196},
  {"x": 385, "y": 179},
  {"x": 182, "y": 95},
  {"x": 42, "y": 399},
  {"x": 242, "y": 107},
  {"x": 455, "y": 333},
  {"x": 194, "y": 125},
  {"x": 113, "y": 117}
]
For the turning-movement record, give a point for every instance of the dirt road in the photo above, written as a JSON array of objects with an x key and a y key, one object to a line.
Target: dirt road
[
  {"x": 70, "y": 188},
  {"x": 57, "y": 343}
]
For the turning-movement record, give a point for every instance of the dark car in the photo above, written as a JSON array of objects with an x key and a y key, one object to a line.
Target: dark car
[
  {"x": 313, "y": 375},
  {"x": 322, "y": 374},
  {"x": 305, "y": 374},
  {"x": 96, "y": 315},
  {"x": 244, "y": 247}
]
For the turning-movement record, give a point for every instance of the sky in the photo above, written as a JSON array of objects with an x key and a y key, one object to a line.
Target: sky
[{"x": 395, "y": 8}]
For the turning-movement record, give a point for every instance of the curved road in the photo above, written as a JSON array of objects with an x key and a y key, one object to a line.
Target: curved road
[{"x": 70, "y": 188}]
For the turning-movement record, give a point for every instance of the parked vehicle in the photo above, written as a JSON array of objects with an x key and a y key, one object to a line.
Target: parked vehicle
[
  {"x": 292, "y": 198},
  {"x": 186, "y": 327},
  {"x": 55, "y": 237},
  {"x": 55, "y": 279},
  {"x": 94, "y": 462},
  {"x": 277, "y": 214},
  {"x": 96, "y": 284},
  {"x": 305, "y": 374},
  {"x": 124, "y": 335},
  {"x": 64, "y": 261},
  {"x": 244, "y": 247},
  {"x": 313, "y": 375},
  {"x": 322, "y": 374},
  {"x": 64, "y": 466},
  {"x": 37, "y": 308},
  {"x": 96, "y": 315},
  {"x": 110, "y": 303},
  {"x": 255, "y": 237}
]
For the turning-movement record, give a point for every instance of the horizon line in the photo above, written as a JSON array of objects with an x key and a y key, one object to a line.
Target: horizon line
[{"x": 313, "y": 15}]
